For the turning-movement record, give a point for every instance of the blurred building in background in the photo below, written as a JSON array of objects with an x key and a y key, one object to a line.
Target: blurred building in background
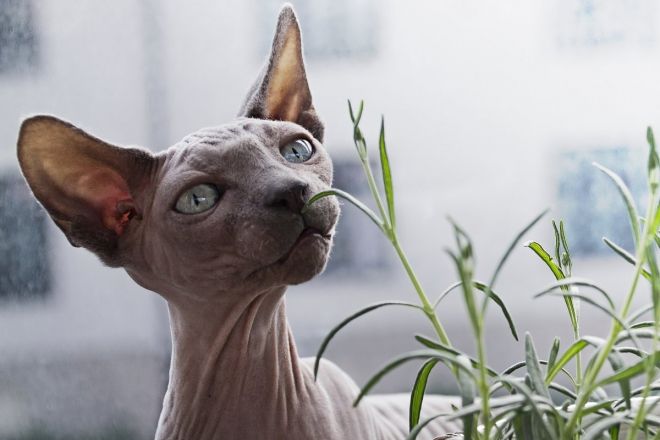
[{"x": 493, "y": 112}]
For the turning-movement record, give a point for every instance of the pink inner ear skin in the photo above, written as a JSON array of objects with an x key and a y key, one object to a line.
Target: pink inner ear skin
[
  {"x": 108, "y": 194},
  {"x": 117, "y": 219}
]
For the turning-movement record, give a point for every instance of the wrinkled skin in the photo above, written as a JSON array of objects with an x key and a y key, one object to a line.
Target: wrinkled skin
[{"x": 235, "y": 373}]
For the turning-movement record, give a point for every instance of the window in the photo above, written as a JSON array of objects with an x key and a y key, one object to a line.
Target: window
[
  {"x": 590, "y": 204},
  {"x": 599, "y": 23},
  {"x": 359, "y": 246},
  {"x": 18, "y": 43},
  {"x": 331, "y": 28},
  {"x": 24, "y": 267}
]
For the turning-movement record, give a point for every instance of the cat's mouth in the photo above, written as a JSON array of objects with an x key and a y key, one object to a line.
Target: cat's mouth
[{"x": 307, "y": 234}]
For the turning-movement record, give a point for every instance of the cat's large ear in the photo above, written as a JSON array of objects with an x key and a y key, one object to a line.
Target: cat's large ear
[
  {"x": 87, "y": 186},
  {"x": 281, "y": 92}
]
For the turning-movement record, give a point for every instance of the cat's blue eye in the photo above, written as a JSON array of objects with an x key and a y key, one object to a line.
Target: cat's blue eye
[
  {"x": 297, "y": 151},
  {"x": 198, "y": 199}
]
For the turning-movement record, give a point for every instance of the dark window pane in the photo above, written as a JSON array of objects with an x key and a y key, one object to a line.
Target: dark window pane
[
  {"x": 24, "y": 265},
  {"x": 18, "y": 45},
  {"x": 589, "y": 202}
]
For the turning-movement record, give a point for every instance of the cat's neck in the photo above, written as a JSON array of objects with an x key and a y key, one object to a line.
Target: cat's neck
[{"x": 234, "y": 366}]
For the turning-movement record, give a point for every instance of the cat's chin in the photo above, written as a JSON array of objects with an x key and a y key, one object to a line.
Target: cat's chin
[{"x": 306, "y": 259}]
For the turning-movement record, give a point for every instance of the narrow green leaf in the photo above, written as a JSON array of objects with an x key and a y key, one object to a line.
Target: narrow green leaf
[
  {"x": 518, "y": 365},
  {"x": 546, "y": 258},
  {"x": 493, "y": 296},
  {"x": 637, "y": 392},
  {"x": 574, "y": 281},
  {"x": 569, "y": 354},
  {"x": 346, "y": 196},
  {"x": 387, "y": 174},
  {"x": 417, "y": 393},
  {"x": 563, "y": 390},
  {"x": 634, "y": 316},
  {"x": 643, "y": 324},
  {"x": 559, "y": 275},
  {"x": 595, "y": 430},
  {"x": 534, "y": 368},
  {"x": 627, "y": 373},
  {"x": 635, "y": 334},
  {"x": 354, "y": 119},
  {"x": 592, "y": 408},
  {"x": 557, "y": 244},
  {"x": 614, "y": 432},
  {"x": 654, "y": 388},
  {"x": 394, "y": 363},
  {"x": 554, "y": 350},
  {"x": 632, "y": 350},
  {"x": 335, "y": 330},
  {"x": 446, "y": 292},
  {"x": 588, "y": 300},
  {"x": 627, "y": 199},
  {"x": 616, "y": 361},
  {"x": 497, "y": 300},
  {"x": 625, "y": 255},
  {"x": 438, "y": 346},
  {"x": 358, "y": 138},
  {"x": 568, "y": 265}
]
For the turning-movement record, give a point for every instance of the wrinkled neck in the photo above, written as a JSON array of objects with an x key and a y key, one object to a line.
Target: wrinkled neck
[{"x": 232, "y": 365}]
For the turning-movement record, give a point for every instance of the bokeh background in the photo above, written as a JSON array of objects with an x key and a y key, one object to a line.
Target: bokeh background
[{"x": 494, "y": 111}]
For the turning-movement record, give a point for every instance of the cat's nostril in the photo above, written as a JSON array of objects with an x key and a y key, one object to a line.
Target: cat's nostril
[{"x": 290, "y": 196}]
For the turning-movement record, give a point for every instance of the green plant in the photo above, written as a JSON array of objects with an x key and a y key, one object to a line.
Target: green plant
[{"x": 524, "y": 408}]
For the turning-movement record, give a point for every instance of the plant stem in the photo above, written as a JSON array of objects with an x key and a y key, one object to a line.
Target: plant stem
[
  {"x": 578, "y": 368},
  {"x": 426, "y": 305},
  {"x": 483, "y": 381}
]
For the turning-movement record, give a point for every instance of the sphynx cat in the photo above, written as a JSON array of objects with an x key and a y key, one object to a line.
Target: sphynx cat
[{"x": 214, "y": 226}]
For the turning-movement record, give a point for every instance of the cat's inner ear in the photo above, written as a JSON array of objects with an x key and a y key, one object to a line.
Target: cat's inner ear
[
  {"x": 282, "y": 91},
  {"x": 87, "y": 186}
]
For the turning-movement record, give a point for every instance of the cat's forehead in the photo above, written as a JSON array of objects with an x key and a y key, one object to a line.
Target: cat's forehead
[
  {"x": 245, "y": 139},
  {"x": 243, "y": 130}
]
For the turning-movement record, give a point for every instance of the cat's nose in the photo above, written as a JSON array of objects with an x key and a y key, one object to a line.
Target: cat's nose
[{"x": 289, "y": 194}]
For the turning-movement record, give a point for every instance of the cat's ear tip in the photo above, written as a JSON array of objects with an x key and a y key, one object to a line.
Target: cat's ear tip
[
  {"x": 287, "y": 15},
  {"x": 37, "y": 127},
  {"x": 287, "y": 11},
  {"x": 36, "y": 122}
]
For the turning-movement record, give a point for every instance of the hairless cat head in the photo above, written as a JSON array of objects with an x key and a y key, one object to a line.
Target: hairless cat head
[{"x": 218, "y": 212}]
